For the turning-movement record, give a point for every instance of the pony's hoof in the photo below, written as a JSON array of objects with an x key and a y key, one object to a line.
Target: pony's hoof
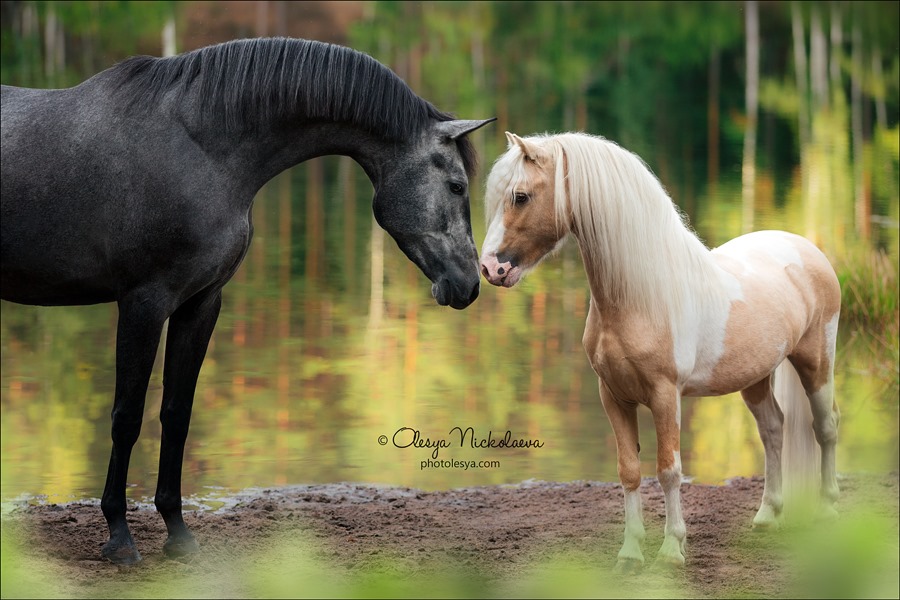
[
  {"x": 827, "y": 514},
  {"x": 628, "y": 566},
  {"x": 181, "y": 546},
  {"x": 121, "y": 554},
  {"x": 668, "y": 562},
  {"x": 767, "y": 519},
  {"x": 765, "y": 525}
]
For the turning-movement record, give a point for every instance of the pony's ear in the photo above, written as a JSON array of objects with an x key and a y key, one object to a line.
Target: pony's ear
[{"x": 531, "y": 151}]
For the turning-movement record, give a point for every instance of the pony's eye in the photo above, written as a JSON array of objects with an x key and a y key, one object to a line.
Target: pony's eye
[
  {"x": 457, "y": 188},
  {"x": 520, "y": 197}
]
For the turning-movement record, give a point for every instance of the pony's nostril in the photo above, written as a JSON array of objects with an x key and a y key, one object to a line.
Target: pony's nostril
[
  {"x": 500, "y": 271},
  {"x": 484, "y": 271}
]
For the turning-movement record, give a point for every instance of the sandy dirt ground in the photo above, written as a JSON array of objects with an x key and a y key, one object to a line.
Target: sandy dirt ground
[{"x": 535, "y": 538}]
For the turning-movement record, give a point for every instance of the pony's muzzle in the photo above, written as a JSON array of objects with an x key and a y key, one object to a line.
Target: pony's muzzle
[{"x": 499, "y": 273}]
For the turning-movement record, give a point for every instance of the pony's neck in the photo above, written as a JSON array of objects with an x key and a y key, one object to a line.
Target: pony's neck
[{"x": 638, "y": 254}]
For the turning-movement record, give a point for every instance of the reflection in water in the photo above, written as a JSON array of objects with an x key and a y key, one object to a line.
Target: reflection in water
[{"x": 314, "y": 359}]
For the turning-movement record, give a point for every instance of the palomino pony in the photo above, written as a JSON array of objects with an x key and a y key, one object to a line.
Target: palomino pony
[
  {"x": 136, "y": 187},
  {"x": 670, "y": 318}
]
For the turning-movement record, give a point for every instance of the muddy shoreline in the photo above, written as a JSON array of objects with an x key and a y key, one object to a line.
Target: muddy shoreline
[{"x": 497, "y": 537}]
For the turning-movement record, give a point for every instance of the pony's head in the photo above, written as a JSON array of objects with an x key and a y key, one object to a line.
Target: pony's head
[{"x": 525, "y": 223}]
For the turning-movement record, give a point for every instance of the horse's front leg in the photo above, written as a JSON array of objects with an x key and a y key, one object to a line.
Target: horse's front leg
[
  {"x": 623, "y": 418},
  {"x": 190, "y": 328},
  {"x": 137, "y": 339},
  {"x": 666, "y": 409}
]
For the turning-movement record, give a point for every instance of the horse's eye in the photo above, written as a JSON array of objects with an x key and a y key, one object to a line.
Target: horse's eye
[
  {"x": 457, "y": 188},
  {"x": 520, "y": 198}
]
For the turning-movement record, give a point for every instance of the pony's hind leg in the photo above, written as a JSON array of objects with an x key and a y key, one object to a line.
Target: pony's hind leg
[
  {"x": 770, "y": 423},
  {"x": 623, "y": 418},
  {"x": 666, "y": 411},
  {"x": 190, "y": 328},
  {"x": 813, "y": 360}
]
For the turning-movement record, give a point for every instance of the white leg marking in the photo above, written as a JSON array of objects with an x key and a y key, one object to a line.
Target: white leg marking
[
  {"x": 634, "y": 532},
  {"x": 672, "y": 550}
]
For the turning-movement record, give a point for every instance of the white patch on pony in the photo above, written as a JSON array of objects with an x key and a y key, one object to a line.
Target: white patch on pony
[
  {"x": 747, "y": 248},
  {"x": 698, "y": 336},
  {"x": 494, "y": 236}
]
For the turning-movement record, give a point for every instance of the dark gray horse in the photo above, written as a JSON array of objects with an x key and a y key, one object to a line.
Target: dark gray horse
[{"x": 136, "y": 187}]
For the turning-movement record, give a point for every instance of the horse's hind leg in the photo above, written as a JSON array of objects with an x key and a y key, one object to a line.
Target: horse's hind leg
[
  {"x": 770, "y": 423},
  {"x": 137, "y": 339},
  {"x": 623, "y": 418},
  {"x": 190, "y": 328}
]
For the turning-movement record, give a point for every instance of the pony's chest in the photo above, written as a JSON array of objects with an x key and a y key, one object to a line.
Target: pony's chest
[{"x": 631, "y": 361}]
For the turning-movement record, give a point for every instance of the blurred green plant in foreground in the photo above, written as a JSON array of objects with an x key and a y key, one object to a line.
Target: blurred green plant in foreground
[{"x": 854, "y": 557}]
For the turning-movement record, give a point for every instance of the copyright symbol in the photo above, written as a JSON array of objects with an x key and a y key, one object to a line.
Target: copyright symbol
[{"x": 382, "y": 439}]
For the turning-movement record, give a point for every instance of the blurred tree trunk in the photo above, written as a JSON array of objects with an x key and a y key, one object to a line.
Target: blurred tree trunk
[
  {"x": 748, "y": 171},
  {"x": 315, "y": 222},
  {"x": 376, "y": 253},
  {"x": 863, "y": 210},
  {"x": 822, "y": 170},
  {"x": 347, "y": 193},
  {"x": 818, "y": 60},
  {"x": 712, "y": 122},
  {"x": 54, "y": 48},
  {"x": 803, "y": 119},
  {"x": 262, "y": 18},
  {"x": 169, "y": 44},
  {"x": 837, "y": 42}
]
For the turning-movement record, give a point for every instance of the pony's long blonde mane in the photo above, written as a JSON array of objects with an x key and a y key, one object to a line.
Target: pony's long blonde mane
[{"x": 638, "y": 252}]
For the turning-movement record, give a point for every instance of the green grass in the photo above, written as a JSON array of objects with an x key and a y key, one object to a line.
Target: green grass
[{"x": 870, "y": 303}]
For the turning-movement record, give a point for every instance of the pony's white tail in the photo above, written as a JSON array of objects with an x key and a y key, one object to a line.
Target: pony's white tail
[{"x": 800, "y": 454}]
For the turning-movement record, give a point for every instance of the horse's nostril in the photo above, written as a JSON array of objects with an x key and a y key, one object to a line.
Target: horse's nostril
[
  {"x": 484, "y": 271},
  {"x": 474, "y": 293}
]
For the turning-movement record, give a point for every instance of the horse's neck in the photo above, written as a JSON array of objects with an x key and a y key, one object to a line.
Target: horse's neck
[{"x": 254, "y": 157}]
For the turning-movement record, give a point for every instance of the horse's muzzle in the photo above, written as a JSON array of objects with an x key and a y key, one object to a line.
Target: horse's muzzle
[{"x": 456, "y": 295}]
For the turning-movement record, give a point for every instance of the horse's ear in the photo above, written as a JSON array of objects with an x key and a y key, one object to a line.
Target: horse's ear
[
  {"x": 456, "y": 129},
  {"x": 531, "y": 151}
]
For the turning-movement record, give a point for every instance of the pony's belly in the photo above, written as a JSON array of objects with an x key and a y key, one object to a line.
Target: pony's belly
[{"x": 736, "y": 370}]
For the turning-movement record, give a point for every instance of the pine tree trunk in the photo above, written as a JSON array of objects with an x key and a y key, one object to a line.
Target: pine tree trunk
[{"x": 748, "y": 171}]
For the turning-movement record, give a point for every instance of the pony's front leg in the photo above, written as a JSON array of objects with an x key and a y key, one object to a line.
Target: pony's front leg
[
  {"x": 666, "y": 409},
  {"x": 190, "y": 328},
  {"x": 623, "y": 418},
  {"x": 137, "y": 339}
]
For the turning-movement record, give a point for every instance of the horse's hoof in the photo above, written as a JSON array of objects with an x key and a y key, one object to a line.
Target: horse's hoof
[
  {"x": 121, "y": 554},
  {"x": 178, "y": 547},
  {"x": 628, "y": 566}
]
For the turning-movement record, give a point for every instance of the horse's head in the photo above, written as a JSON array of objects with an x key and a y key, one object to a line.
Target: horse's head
[
  {"x": 422, "y": 200},
  {"x": 521, "y": 210}
]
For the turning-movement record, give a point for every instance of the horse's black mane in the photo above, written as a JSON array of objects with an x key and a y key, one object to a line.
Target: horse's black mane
[{"x": 249, "y": 83}]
